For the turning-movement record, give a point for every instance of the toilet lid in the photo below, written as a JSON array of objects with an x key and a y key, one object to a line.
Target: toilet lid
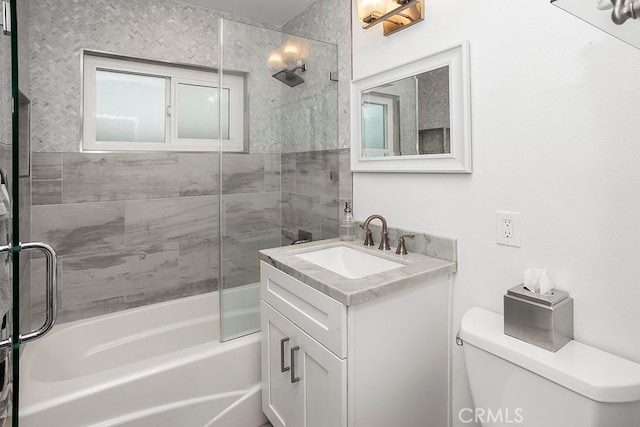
[{"x": 593, "y": 373}]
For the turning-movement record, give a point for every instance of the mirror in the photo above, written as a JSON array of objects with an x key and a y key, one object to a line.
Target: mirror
[
  {"x": 407, "y": 117},
  {"x": 414, "y": 118},
  {"x": 601, "y": 15}
]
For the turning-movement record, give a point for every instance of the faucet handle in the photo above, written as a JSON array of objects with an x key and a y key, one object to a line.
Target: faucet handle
[
  {"x": 368, "y": 240},
  {"x": 402, "y": 249}
]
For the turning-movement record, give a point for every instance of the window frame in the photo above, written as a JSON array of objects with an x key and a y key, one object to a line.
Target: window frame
[
  {"x": 173, "y": 74},
  {"x": 391, "y": 105}
]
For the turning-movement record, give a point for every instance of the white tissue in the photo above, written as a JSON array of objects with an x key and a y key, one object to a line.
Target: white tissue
[
  {"x": 537, "y": 280},
  {"x": 531, "y": 276},
  {"x": 545, "y": 284}
]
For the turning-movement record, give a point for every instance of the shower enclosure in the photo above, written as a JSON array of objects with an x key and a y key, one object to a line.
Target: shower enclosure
[
  {"x": 142, "y": 224},
  {"x": 286, "y": 184}
]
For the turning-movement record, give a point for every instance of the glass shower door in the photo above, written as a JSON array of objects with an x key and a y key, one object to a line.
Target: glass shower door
[
  {"x": 8, "y": 195},
  {"x": 250, "y": 201},
  {"x": 282, "y": 185},
  {"x": 15, "y": 218}
]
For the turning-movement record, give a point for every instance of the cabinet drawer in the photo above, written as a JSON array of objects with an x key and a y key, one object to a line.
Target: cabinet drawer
[{"x": 320, "y": 316}]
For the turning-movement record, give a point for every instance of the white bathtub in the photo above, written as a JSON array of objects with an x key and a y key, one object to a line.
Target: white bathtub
[{"x": 159, "y": 365}]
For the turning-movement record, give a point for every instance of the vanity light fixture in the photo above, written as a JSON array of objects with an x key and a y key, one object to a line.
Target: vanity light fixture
[{"x": 395, "y": 15}]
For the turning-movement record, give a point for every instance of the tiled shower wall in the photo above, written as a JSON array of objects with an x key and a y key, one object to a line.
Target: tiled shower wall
[
  {"x": 309, "y": 190},
  {"x": 129, "y": 228},
  {"x": 330, "y": 21},
  {"x": 306, "y": 117},
  {"x": 138, "y": 228},
  {"x": 159, "y": 211}
]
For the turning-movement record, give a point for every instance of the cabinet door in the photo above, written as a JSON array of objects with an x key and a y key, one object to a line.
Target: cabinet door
[
  {"x": 322, "y": 386},
  {"x": 279, "y": 397},
  {"x": 312, "y": 393}
]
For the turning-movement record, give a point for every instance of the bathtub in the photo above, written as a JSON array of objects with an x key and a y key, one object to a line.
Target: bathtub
[{"x": 158, "y": 365}]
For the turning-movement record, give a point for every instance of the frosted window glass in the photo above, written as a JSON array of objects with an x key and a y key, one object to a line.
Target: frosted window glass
[
  {"x": 130, "y": 107},
  {"x": 197, "y": 108},
  {"x": 374, "y": 117}
]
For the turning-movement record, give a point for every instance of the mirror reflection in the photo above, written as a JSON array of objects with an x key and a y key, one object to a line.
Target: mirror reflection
[
  {"x": 408, "y": 117},
  {"x": 615, "y": 17}
]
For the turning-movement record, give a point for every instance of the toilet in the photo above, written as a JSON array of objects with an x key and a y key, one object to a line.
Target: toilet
[{"x": 515, "y": 383}]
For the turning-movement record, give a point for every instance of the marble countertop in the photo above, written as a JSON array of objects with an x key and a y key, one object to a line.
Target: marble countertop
[{"x": 416, "y": 269}]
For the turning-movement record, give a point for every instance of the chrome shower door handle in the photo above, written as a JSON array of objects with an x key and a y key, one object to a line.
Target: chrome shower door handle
[
  {"x": 51, "y": 290},
  {"x": 282, "y": 367},
  {"x": 294, "y": 379}
]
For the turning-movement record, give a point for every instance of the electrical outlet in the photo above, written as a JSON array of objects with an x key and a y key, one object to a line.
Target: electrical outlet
[{"x": 508, "y": 228}]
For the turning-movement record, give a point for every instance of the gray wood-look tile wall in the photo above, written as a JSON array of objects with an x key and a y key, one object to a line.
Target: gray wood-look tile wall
[
  {"x": 134, "y": 228},
  {"x": 310, "y": 187},
  {"x": 138, "y": 228}
]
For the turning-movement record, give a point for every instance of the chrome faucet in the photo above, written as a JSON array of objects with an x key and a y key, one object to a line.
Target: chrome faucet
[
  {"x": 368, "y": 240},
  {"x": 625, "y": 9}
]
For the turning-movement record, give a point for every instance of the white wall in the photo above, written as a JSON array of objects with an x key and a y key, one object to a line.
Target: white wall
[{"x": 556, "y": 137}]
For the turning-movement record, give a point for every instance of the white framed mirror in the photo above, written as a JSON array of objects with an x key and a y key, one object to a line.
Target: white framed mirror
[{"x": 414, "y": 118}]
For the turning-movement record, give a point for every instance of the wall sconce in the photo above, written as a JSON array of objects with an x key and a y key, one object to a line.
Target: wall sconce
[{"x": 395, "y": 15}]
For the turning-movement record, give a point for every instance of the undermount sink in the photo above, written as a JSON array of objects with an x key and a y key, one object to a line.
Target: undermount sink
[{"x": 348, "y": 262}]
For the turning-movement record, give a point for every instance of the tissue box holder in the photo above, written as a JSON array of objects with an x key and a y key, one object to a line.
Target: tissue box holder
[{"x": 545, "y": 321}]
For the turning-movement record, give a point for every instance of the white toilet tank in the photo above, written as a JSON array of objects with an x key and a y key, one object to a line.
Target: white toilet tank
[{"x": 515, "y": 383}]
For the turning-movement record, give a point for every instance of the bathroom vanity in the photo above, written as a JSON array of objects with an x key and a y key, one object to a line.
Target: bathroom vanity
[{"x": 342, "y": 346}]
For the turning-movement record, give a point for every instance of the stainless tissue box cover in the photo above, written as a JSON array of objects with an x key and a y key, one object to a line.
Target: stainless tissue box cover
[{"x": 544, "y": 321}]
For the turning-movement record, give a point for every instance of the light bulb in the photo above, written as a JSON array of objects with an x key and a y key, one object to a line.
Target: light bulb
[
  {"x": 275, "y": 61},
  {"x": 401, "y": 18},
  {"x": 366, "y": 8},
  {"x": 290, "y": 53}
]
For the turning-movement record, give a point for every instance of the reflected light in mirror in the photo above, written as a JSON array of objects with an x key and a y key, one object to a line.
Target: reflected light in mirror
[
  {"x": 290, "y": 53},
  {"x": 602, "y": 15},
  {"x": 295, "y": 51},
  {"x": 275, "y": 61},
  {"x": 370, "y": 9}
]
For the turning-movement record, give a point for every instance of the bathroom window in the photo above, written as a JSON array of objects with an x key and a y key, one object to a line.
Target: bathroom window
[
  {"x": 380, "y": 125},
  {"x": 141, "y": 105}
]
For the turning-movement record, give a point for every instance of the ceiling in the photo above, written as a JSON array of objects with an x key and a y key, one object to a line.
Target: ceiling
[{"x": 273, "y": 12}]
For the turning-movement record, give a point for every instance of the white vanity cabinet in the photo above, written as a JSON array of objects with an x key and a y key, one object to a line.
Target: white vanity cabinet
[
  {"x": 304, "y": 384},
  {"x": 379, "y": 363}
]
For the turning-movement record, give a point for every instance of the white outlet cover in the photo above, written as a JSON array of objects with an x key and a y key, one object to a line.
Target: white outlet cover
[{"x": 501, "y": 237}]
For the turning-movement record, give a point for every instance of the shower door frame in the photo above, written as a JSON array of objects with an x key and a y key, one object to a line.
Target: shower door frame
[{"x": 15, "y": 247}]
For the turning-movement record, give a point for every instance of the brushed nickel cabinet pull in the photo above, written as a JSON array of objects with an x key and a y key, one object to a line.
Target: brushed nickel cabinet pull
[
  {"x": 294, "y": 379},
  {"x": 282, "y": 367}
]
